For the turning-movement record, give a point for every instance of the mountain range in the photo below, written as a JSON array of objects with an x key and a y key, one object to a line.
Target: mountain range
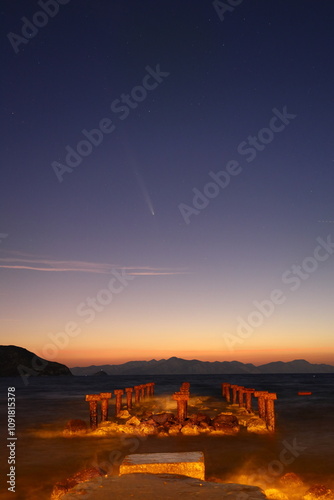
[{"x": 175, "y": 366}]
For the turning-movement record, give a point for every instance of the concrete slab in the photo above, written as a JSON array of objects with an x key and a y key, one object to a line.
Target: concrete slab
[{"x": 190, "y": 464}]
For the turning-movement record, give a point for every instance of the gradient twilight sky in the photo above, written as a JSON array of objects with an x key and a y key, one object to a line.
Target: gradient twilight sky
[{"x": 183, "y": 286}]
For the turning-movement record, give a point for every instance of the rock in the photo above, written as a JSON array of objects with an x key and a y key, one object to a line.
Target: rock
[
  {"x": 226, "y": 423},
  {"x": 106, "y": 428},
  {"x": 162, "y": 418},
  {"x": 190, "y": 430},
  {"x": 163, "y": 486},
  {"x": 197, "y": 418},
  {"x": 257, "y": 425},
  {"x": 75, "y": 427},
  {"x": 123, "y": 414},
  {"x": 133, "y": 421},
  {"x": 174, "y": 429},
  {"x": 62, "y": 487},
  {"x": 204, "y": 427},
  {"x": 318, "y": 491},
  {"x": 290, "y": 479},
  {"x": 274, "y": 494},
  {"x": 146, "y": 429}
]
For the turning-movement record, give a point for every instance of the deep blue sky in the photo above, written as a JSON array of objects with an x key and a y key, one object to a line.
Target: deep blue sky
[{"x": 225, "y": 78}]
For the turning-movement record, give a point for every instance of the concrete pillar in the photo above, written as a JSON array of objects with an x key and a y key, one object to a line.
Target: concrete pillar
[
  {"x": 241, "y": 396},
  {"x": 150, "y": 388},
  {"x": 182, "y": 405},
  {"x": 105, "y": 396},
  {"x": 249, "y": 393},
  {"x": 129, "y": 391},
  {"x": 185, "y": 387},
  {"x": 234, "y": 393},
  {"x": 226, "y": 391},
  {"x": 93, "y": 400},
  {"x": 270, "y": 410},
  {"x": 261, "y": 406},
  {"x": 118, "y": 406},
  {"x": 137, "y": 393}
]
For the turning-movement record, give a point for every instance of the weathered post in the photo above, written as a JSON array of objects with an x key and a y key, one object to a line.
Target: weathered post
[
  {"x": 241, "y": 396},
  {"x": 118, "y": 406},
  {"x": 137, "y": 393},
  {"x": 147, "y": 390},
  {"x": 185, "y": 387},
  {"x": 234, "y": 393},
  {"x": 93, "y": 400},
  {"x": 249, "y": 393},
  {"x": 270, "y": 410},
  {"x": 226, "y": 391},
  {"x": 182, "y": 405},
  {"x": 152, "y": 388},
  {"x": 142, "y": 391},
  {"x": 104, "y": 396},
  {"x": 129, "y": 391},
  {"x": 261, "y": 406}
]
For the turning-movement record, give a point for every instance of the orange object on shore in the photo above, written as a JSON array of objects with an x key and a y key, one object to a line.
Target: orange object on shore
[{"x": 304, "y": 393}]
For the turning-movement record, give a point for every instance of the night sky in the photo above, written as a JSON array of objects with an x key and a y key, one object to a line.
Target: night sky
[{"x": 207, "y": 181}]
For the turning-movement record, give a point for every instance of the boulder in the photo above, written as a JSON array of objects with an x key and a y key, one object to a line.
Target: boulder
[
  {"x": 133, "y": 421},
  {"x": 162, "y": 418},
  {"x": 228, "y": 424},
  {"x": 190, "y": 430},
  {"x": 62, "y": 487},
  {"x": 291, "y": 480},
  {"x": 174, "y": 429},
  {"x": 319, "y": 491},
  {"x": 274, "y": 494},
  {"x": 146, "y": 429},
  {"x": 123, "y": 414},
  {"x": 257, "y": 425}
]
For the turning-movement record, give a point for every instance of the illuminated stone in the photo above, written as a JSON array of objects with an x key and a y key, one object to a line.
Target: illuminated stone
[{"x": 189, "y": 464}]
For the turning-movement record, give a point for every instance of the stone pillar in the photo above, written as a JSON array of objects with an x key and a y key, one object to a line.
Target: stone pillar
[
  {"x": 185, "y": 387},
  {"x": 270, "y": 410},
  {"x": 241, "y": 396},
  {"x": 105, "y": 396},
  {"x": 137, "y": 393},
  {"x": 93, "y": 400},
  {"x": 182, "y": 405},
  {"x": 118, "y": 406},
  {"x": 152, "y": 388},
  {"x": 226, "y": 392},
  {"x": 249, "y": 393},
  {"x": 142, "y": 391},
  {"x": 261, "y": 406},
  {"x": 234, "y": 394},
  {"x": 129, "y": 391}
]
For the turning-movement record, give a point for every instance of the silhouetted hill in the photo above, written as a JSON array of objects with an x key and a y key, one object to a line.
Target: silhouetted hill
[
  {"x": 175, "y": 366},
  {"x": 16, "y": 361},
  {"x": 296, "y": 366}
]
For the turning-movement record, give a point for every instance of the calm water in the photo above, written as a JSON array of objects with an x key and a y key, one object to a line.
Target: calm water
[{"x": 46, "y": 404}]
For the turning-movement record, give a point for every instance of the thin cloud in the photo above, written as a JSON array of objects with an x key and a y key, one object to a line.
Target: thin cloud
[{"x": 50, "y": 265}]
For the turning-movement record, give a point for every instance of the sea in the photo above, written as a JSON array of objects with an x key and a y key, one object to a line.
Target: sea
[{"x": 44, "y": 456}]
